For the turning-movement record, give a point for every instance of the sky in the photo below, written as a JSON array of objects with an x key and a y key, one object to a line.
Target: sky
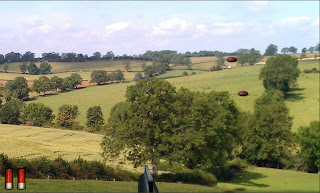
[{"x": 133, "y": 27}]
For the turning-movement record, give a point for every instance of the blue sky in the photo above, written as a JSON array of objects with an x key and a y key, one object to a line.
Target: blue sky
[{"x": 133, "y": 27}]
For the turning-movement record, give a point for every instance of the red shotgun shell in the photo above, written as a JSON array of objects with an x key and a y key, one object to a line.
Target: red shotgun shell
[
  {"x": 243, "y": 93},
  {"x": 9, "y": 179},
  {"x": 232, "y": 59},
  {"x": 21, "y": 179}
]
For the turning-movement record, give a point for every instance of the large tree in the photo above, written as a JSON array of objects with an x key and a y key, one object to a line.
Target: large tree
[
  {"x": 18, "y": 88},
  {"x": 308, "y": 140},
  {"x": 280, "y": 72},
  {"x": 268, "y": 140},
  {"x": 33, "y": 69},
  {"x": 23, "y": 67},
  {"x": 95, "y": 118},
  {"x": 10, "y": 112},
  {"x": 43, "y": 84},
  {"x": 271, "y": 50},
  {"x": 293, "y": 50},
  {"x": 38, "y": 113},
  {"x": 285, "y": 50},
  {"x": 99, "y": 77},
  {"x": 67, "y": 114},
  {"x": 304, "y": 50},
  {"x": 45, "y": 68}
]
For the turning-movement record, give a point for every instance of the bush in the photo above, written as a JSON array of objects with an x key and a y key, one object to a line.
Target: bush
[
  {"x": 67, "y": 114},
  {"x": 223, "y": 173},
  {"x": 38, "y": 113},
  {"x": 165, "y": 166},
  {"x": 61, "y": 168},
  {"x": 192, "y": 177},
  {"x": 10, "y": 112},
  {"x": 193, "y": 73},
  {"x": 42, "y": 166},
  {"x": 95, "y": 118},
  {"x": 238, "y": 164},
  {"x": 185, "y": 73}
]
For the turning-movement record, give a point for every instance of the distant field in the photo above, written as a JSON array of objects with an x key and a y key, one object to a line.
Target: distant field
[
  {"x": 253, "y": 180},
  {"x": 303, "y": 103},
  {"x": 77, "y": 66},
  {"x": 178, "y": 73}
]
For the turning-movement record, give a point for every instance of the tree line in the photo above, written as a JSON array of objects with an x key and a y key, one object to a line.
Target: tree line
[{"x": 147, "y": 56}]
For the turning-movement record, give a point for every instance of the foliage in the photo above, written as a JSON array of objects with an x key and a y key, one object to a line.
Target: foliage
[
  {"x": 271, "y": 50},
  {"x": 71, "y": 82},
  {"x": 303, "y": 55},
  {"x": 280, "y": 72},
  {"x": 293, "y": 50},
  {"x": 10, "y": 112},
  {"x": 95, "y": 118},
  {"x": 56, "y": 83},
  {"x": 38, "y": 113},
  {"x": 216, "y": 67},
  {"x": 185, "y": 73},
  {"x": 67, "y": 114},
  {"x": 267, "y": 140},
  {"x": 33, "y": 69},
  {"x": 18, "y": 88},
  {"x": 99, "y": 77},
  {"x": 23, "y": 67},
  {"x": 45, "y": 68},
  {"x": 43, "y": 84},
  {"x": 308, "y": 140}
]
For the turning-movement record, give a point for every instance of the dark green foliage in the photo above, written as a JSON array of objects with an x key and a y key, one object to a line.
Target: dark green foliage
[
  {"x": 313, "y": 70},
  {"x": 185, "y": 73},
  {"x": 95, "y": 118},
  {"x": 23, "y": 67},
  {"x": 71, "y": 82},
  {"x": 18, "y": 88},
  {"x": 38, "y": 113},
  {"x": 56, "y": 83},
  {"x": 193, "y": 73},
  {"x": 271, "y": 50},
  {"x": 238, "y": 164},
  {"x": 67, "y": 114},
  {"x": 216, "y": 68},
  {"x": 33, "y": 69},
  {"x": 223, "y": 173},
  {"x": 268, "y": 141},
  {"x": 308, "y": 140},
  {"x": 280, "y": 72},
  {"x": 43, "y": 84},
  {"x": 293, "y": 50},
  {"x": 45, "y": 68},
  {"x": 10, "y": 112},
  {"x": 190, "y": 177},
  {"x": 99, "y": 77},
  {"x": 119, "y": 76}
]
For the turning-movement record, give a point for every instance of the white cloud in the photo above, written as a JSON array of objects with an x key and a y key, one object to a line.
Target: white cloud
[
  {"x": 45, "y": 28},
  {"x": 294, "y": 20},
  {"x": 173, "y": 25},
  {"x": 115, "y": 27},
  {"x": 228, "y": 28},
  {"x": 202, "y": 28}
]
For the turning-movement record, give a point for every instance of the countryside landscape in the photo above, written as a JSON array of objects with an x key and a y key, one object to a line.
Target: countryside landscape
[{"x": 72, "y": 116}]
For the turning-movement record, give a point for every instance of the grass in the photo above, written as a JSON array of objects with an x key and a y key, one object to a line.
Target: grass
[
  {"x": 303, "y": 103},
  {"x": 178, "y": 73},
  {"x": 253, "y": 180}
]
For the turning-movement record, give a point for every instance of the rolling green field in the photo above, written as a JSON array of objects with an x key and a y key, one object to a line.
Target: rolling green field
[
  {"x": 303, "y": 103},
  {"x": 253, "y": 180}
]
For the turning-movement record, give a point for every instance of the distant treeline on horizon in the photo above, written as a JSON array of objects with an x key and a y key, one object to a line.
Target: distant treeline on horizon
[{"x": 148, "y": 56}]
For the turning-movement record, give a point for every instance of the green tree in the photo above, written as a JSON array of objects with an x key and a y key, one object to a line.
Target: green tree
[
  {"x": 144, "y": 119},
  {"x": 45, "y": 68},
  {"x": 6, "y": 67},
  {"x": 99, "y": 77},
  {"x": 293, "y": 50},
  {"x": 304, "y": 50},
  {"x": 119, "y": 76},
  {"x": 242, "y": 59},
  {"x": 268, "y": 140},
  {"x": 280, "y": 72},
  {"x": 271, "y": 50},
  {"x": 33, "y": 69},
  {"x": 127, "y": 65},
  {"x": 10, "y": 112},
  {"x": 185, "y": 73},
  {"x": 285, "y": 50},
  {"x": 18, "y": 88},
  {"x": 67, "y": 114},
  {"x": 220, "y": 60},
  {"x": 95, "y": 118},
  {"x": 43, "y": 84},
  {"x": 71, "y": 82},
  {"x": 23, "y": 67},
  {"x": 38, "y": 113},
  {"x": 308, "y": 140},
  {"x": 253, "y": 57},
  {"x": 317, "y": 48},
  {"x": 56, "y": 83},
  {"x": 311, "y": 49}
]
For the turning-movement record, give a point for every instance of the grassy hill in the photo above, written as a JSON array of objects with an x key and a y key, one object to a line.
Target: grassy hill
[
  {"x": 303, "y": 102},
  {"x": 253, "y": 180}
]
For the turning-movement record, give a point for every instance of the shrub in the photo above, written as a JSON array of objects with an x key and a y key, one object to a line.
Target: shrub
[
  {"x": 192, "y": 177},
  {"x": 38, "y": 113},
  {"x": 193, "y": 73},
  {"x": 10, "y": 112},
  {"x": 95, "y": 118},
  {"x": 238, "y": 164},
  {"x": 67, "y": 114},
  {"x": 185, "y": 73},
  {"x": 42, "y": 166},
  {"x": 61, "y": 168},
  {"x": 223, "y": 173}
]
